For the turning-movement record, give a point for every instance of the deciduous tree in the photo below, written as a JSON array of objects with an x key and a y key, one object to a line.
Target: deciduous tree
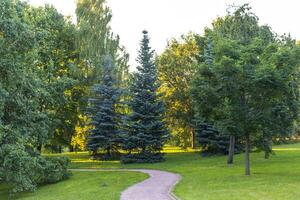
[
  {"x": 251, "y": 88},
  {"x": 176, "y": 68}
]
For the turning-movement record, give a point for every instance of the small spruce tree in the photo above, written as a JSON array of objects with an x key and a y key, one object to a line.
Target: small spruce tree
[
  {"x": 105, "y": 119},
  {"x": 211, "y": 141},
  {"x": 146, "y": 131}
]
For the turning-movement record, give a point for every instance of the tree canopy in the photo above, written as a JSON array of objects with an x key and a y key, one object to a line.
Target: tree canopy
[{"x": 250, "y": 89}]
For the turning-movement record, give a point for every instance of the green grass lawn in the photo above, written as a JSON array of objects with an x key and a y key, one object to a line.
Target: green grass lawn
[
  {"x": 210, "y": 178},
  {"x": 202, "y": 178},
  {"x": 84, "y": 186}
]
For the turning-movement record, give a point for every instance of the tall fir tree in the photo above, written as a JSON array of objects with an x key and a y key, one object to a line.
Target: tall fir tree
[
  {"x": 105, "y": 133},
  {"x": 147, "y": 132}
]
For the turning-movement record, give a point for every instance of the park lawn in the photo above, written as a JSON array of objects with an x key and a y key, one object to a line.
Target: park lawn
[
  {"x": 83, "y": 186},
  {"x": 210, "y": 178},
  {"x": 206, "y": 178}
]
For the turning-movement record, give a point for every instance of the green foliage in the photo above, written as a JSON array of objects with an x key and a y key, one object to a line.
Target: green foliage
[
  {"x": 95, "y": 39},
  {"x": 210, "y": 140},
  {"x": 143, "y": 157},
  {"x": 24, "y": 171},
  {"x": 105, "y": 120},
  {"x": 26, "y": 118},
  {"x": 17, "y": 168},
  {"x": 251, "y": 89},
  {"x": 52, "y": 169},
  {"x": 58, "y": 63},
  {"x": 145, "y": 131},
  {"x": 176, "y": 68}
]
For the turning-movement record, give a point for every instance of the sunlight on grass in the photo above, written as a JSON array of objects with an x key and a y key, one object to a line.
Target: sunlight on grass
[
  {"x": 84, "y": 161},
  {"x": 95, "y": 161},
  {"x": 170, "y": 149},
  {"x": 207, "y": 178},
  {"x": 211, "y": 179},
  {"x": 286, "y": 149}
]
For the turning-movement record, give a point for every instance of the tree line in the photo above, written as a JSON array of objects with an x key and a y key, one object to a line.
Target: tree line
[
  {"x": 234, "y": 88},
  {"x": 47, "y": 67},
  {"x": 240, "y": 81}
]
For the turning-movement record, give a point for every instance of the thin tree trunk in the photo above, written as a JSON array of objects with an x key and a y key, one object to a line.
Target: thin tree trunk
[
  {"x": 193, "y": 138},
  {"x": 268, "y": 148},
  {"x": 108, "y": 153},
  {"x": 71, "y": 148},
  {"x": 267, "y": 154},
  {"x": 247, "y": 156},
  {"x": 231, "y": 150}
]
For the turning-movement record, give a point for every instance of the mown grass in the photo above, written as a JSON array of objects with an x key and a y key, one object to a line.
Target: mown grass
[
  {"x": 210, "y": 178},
  {"x": 206, "y": 178},
  {"x": 83, "y": 186}
]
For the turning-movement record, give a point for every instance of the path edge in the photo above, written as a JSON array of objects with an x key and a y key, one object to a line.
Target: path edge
[{"x": 170, "y": 192}]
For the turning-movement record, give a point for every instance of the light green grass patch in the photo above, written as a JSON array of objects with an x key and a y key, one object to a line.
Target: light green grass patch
[
  {"x": 85, "y": 186},
  {"x": 210, "y": 178},
  {"x": 206, "y": 178}
]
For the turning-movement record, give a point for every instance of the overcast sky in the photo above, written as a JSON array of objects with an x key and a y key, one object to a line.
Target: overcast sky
[{"x": 165, "y": 19}]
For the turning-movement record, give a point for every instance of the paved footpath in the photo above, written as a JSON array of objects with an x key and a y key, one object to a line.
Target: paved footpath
[{"x": 157, "y": 187}]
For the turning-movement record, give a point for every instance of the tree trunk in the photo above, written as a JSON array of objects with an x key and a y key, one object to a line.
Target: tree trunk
[
  {"x": 193, "y": 138},
  {"x": 247, "y": 156},
  {"x": 267, "y": 154},
  {"x": 108, "y": 153},
  {"x": 231, "y": 150},
  {"x": 59, "y": 149},
  {"x": 71, "y": 148}
]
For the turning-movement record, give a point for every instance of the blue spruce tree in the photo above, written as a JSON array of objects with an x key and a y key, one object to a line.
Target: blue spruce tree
[
  {"x": 105, "y": 119},
  {"x": 146, "y": 131}
]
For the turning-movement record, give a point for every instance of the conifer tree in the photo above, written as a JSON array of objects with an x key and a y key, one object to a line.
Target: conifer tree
[
  {"x": 211, "y": 141},
  {"x": 103, "y": 112},
  {"x": 146, "y": 131}
]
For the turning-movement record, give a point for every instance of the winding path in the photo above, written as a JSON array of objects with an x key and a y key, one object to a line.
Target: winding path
[{"x": 157, "y": 187}]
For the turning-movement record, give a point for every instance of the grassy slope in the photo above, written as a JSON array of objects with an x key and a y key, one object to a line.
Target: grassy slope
[
  {"x": 84, "y": 186},
  {"x": 211, "y": 179},
  {"x": 203, "y": 178}
]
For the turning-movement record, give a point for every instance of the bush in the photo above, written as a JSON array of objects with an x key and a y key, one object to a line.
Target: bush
[
  {"x": 145, "y": 157},
  {"x": 16, "y": 168},
  {"x": 113, "y": 156},
  {"x": 24, "y": 171},
  {"x": 52, "y": 169}
]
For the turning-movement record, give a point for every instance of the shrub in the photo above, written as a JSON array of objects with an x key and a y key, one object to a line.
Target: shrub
[
  {"x": 52, "y": 169},
  {"x": 146, "y": 157},
  {"x": 23, "y": 171},
  {"x": 16, "y": 168}
]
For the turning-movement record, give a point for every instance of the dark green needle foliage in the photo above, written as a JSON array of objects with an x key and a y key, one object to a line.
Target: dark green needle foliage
[
  {"x": 103, "y": 112},
  {"x": 146, "y": 132},
  {"x": 210, "y": 140}
]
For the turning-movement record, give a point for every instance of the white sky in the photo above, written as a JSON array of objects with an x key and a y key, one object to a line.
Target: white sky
[{"x": 165, "y": 19}]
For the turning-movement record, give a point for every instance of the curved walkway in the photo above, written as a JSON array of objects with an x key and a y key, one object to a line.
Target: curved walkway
[{"x": 157, "y": 187}]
